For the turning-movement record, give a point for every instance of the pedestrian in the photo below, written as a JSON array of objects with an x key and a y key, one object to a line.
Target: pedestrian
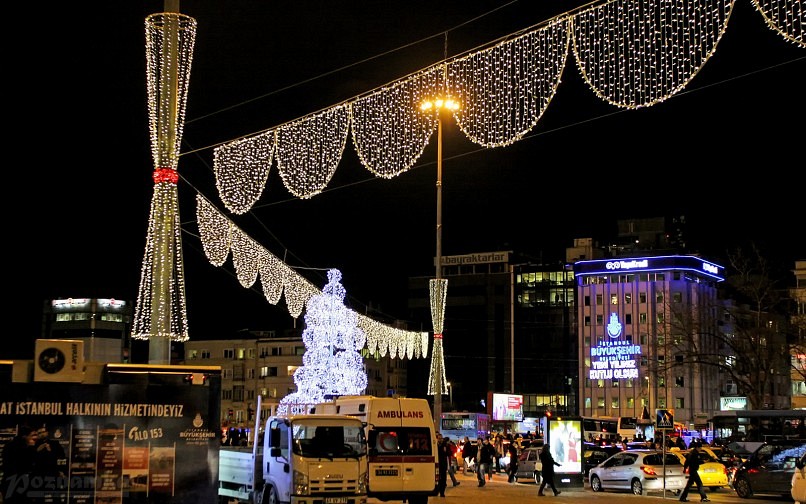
[
  {"x": 484, "y": 459},
  {"x": 548, "y": 470},
  {"x": 452, "y": 464},
  {"x": 468, "y": 454},
  {"x": 512, "y": 449},
  {"x": 692, "y": 466},
  {"x": 499, "y": 452},
  {"x": 442, "y": 465},
  {"x": 19, "y": 457}
]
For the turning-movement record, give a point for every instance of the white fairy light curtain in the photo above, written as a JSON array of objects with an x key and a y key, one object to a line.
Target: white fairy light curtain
[
  {"x": 787, "y": 17},
  {"x": 631, "y": 53},
  {"x": 161, "y": 310},
  {"x": 220, "y": 236},
  {"x": 438, "y": 290}
]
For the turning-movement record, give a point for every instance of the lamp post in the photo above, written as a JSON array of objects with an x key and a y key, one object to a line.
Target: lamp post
[
  {"x": 438, "y": 286},
  {"x": 450, "y": 394}
]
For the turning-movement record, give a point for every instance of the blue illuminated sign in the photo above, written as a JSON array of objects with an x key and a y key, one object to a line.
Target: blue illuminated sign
[
  {"x": 651, "y": 264},
  {"x": 614, "y": 359}
]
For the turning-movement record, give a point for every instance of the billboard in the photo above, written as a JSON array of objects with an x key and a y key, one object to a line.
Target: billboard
[
  {"x": 506, "y": 407},
  {"x": 143, "y": 434},
  {"x": 565, "y": 442}
]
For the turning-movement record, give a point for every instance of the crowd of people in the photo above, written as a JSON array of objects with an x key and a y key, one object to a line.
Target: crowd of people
[{"x": 483, "y": 457}]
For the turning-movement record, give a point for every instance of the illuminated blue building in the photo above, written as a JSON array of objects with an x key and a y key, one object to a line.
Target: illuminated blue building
[{"x": 631, "y": 312}]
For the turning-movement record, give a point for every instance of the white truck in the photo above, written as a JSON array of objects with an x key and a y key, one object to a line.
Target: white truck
[
  {"x": 302, "y": 459},
  {"x": 402, "y": 444}
]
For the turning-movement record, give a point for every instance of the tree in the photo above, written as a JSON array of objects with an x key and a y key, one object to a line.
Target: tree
[
  {"x": 331, "y": 365},
  {"x": 741, "y": 335}
]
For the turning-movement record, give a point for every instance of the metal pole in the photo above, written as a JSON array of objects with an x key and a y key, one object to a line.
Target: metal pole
[{"x": 438, "y": 394}]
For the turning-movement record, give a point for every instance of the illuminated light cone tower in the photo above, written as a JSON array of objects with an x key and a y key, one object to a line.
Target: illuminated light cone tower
[
  {"x": 438, "y": 287},
  {"x": 161, "y": 314}
]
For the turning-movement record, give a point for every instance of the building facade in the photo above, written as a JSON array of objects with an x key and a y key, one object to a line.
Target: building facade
[
  {"x": 798, "y": 324},
  {"x": 104, "y": 325},
  {"x": 635, "y": 316},
  {"x": 262, "y": 363}
]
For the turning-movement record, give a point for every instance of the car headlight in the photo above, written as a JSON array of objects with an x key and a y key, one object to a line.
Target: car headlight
[{"x": 300, "y": 483}]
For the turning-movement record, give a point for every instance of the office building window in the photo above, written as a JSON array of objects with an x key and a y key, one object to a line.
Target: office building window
[
  {"x": 661, "y": 381},
  {"x": 599, "y": 300},
  {"x": 661, "y": 318},
  {"x": 599, "y": 319},
  {"x": 677, "y": 297},
  {"x": 644, "y": 361},
  {"x": 299, "y": 350},
  {"x": 642, "y": 318},
  {"x": 193, "y": 354},
  {"x": 642, "y": 297},
  {"x": 679, "y": 402},
  {"x": 277, "y": 350},
  {"x": 229, "y": 353},
  {"x": 588, "y": 403},
  {"x": 600, "y": 403},
  {"x": 587, "y": 300},
  {"x": 587, "y": 320},
  {"x": 600, "y": 384},
  {"x": 628, "y": 319},
  {"x": 614, "y": 403},
  {"x": 630, "y": 402},
  {"x": 614, "y": 383},
  {"x": 679, "y": 382},
  {"x": 659, "y": 297},
  {"x": 629, "y": 382},
  {"x": 613, "y": 299},
  {"x": 627, "y": 298},
  {"x": 226, "y": 395},
  {"x": 661, "y": 402},
  {"x": 205, "y": 354},
  {"x": 643, "y": 339}
]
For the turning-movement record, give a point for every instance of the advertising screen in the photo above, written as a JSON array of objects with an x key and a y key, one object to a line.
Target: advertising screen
[
  {"x": 507, "y": 408},
  {"x": 565, "y": 441}
]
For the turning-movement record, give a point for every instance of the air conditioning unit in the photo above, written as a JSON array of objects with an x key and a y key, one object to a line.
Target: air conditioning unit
[
  {"x": 730, "y": 388},
  {"x": 59, "y": 360}
]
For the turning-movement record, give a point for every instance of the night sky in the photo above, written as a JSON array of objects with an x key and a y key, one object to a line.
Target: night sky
[{"x": 726, "y": 152}]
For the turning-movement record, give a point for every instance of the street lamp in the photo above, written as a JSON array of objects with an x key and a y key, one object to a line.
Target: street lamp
[
  {"x": 439, "y": 286},
  {"x": 450, "y": 393}
]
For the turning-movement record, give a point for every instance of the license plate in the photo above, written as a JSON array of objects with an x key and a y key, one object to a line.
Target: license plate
[
  {"x": 335, "y": 500},
  {"x": 385, "y": 472}
]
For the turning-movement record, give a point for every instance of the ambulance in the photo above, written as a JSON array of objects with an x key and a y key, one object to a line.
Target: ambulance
[{"x": 402, "y": 444}]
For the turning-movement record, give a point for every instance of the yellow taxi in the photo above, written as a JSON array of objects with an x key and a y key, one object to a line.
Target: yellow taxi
[{"x": 713, "y": 472}]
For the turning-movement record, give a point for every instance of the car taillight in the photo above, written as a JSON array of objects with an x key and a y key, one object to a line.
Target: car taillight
[{"x": 649, "y": 470}]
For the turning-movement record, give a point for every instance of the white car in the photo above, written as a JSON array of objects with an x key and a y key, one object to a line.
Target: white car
[
  {"x": 799, "y": 481},
  {"x": 639, "y": 471}
]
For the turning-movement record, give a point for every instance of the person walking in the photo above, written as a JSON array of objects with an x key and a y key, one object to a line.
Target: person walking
[
  {"x": 548, "y": 470},
  {"x": 468, "y": 453},
  {"x": 512, "y": 450},
  {"x": 442, "y": 464},
  {"x": 484, "y": 459},
  {"x": 692, "y": 466},
  {"x": 452, "y": 464}
]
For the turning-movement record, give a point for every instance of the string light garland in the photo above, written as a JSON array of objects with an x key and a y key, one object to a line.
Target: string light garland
[
  {"x": 787, "y": 17},
  {"x": 219, "y": 236},
  {"x": 637, "y": 53},
  {"x": 331, "y": 364},
  {"x": 504, "y": 90},
  {"x": 631, "y": 53},
  {"x": 241, "y": 170},
  {"x": 161, "y": 310},
  {"x": 438, "y": 290}
]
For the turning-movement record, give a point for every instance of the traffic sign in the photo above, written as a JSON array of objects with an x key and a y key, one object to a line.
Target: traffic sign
[{"x": 665, "y": 418}]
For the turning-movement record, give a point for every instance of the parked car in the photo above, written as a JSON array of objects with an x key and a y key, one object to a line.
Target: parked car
[
  {"x": 639, "y": 471},
  {"x": 529, "y": 465},
  {"x": 770, "y": 469},
  {"x": 798, "y": 492},
  {"x": 593, "y": 455},
  {"x": 729, "y": 458},
  {"x": 713, "y": 473}
]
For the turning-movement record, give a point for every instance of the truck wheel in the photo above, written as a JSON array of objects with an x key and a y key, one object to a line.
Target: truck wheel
[{"x": 268, "y": 496}]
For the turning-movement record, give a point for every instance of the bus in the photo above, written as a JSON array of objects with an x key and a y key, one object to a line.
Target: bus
[
  {"x": 758, "y": 425},
  {"x": 609, "y": 429},
  {"x": 458, "y": 424}
]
